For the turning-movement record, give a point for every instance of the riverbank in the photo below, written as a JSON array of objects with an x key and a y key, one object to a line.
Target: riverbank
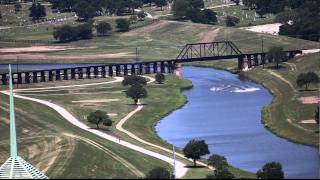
[{"x": 285, "y": 113}]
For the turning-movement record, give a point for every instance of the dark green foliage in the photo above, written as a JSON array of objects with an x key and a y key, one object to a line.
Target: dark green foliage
[
  {"x": 276, "y": 55},
  {"x": 133, "y": 79},
  {"x": 136, "y": 92},
  {"x": 232, "y": 21},
  {"x": 67, "y": 33},
  {"x": 17, "y": 7},
  {"x": 160, "y": 78},
  {"x": 84, "y": 10},
  {"x": 103, "y": 28},
  {"x": 158, "y": 173},
  {"x": 37, "y": 11},
  {"x": 195, "y": 149},
  {"x": 123, "y": 25},
  {"x": 221, "y": 173},
  {"x": 99, "y": 117},
  {"x": 305, "y": 79},
  {"x": 160, "y": 3},
  {"x": 180, "y": 8},
  {"x": 217, "y": 161},
  {"x": 271, "y": 170}
]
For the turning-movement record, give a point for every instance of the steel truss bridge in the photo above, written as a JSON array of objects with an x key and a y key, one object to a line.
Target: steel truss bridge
[{"x": 191, "y": 52}]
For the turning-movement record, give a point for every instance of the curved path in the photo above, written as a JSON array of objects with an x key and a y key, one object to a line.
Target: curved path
[{"x": 179, "y": 166}]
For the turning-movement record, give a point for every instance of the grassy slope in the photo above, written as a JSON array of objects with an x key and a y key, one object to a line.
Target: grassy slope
[{"x": 39, "y": 150}]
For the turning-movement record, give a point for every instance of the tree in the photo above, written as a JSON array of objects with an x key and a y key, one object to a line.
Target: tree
[
  {"x": 276, "y": 55},
  {"x": 65, "y": 33},
  {"x": 272, "y": 170},
  {"x": 84, "y": 10},
  {"x": 141, "y": 15},
  {"x": 133, "y": 79},
  {"x": 217, "y": 161},
  {"x": 160, "y": 78},
  {"x": 210, "y": 16},
  {"x": 37, "y": 11},
  {"x": 123, "y": 25},
  {"x": 136, "y": 92},
  {"x": 103, "y": 28},
  {"x": 232, "y": 21},
  {"x": 305, "y": 79},
  {"x": 99, "y": 117},
  {"x": 180, "y": 8},
  {"x": 158, "y": 173},
  {"x": 221, "y": 173},
  {"x": 84, "y": 31},
  {"x": 161, "y": 3},
  {"x": 195, "y": 149},
  {"x": 17, "y": 7}
]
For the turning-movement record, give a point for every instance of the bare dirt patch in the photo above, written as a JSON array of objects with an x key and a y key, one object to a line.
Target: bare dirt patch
[
  {"x": 311, "y": 121},
  {"x": 112, "y": 114},
  {"x": 209, "y": 36},
  {"x": 309, "y": 100},
  {"x": 93, "y": 102},
  {"x": 39, "y": 49},
  {"x": 63, "y": 58},
  {"x": 150, "y": 28}
]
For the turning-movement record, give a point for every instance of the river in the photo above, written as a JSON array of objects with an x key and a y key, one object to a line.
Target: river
[{"x": 226, "y": 112}]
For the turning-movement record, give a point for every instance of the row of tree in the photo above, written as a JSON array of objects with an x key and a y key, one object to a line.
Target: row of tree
[
  {"x": 300, "y": 18},
  {"x": 194, "y": 149},
  {"x": 193, "y": 10},
  {"x": 68, "y": 33},
  {"x": 135, "y": 91}
]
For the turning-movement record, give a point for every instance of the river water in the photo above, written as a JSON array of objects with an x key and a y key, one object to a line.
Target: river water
[{"x": 226, "y": 112}]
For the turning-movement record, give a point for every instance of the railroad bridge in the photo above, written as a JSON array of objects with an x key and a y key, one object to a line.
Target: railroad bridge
[{"x": 211, "y": 51}]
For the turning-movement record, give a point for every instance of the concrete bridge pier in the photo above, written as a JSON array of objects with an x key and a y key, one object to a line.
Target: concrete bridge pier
[
  {"x": 19, "y": 78},
  {"x": 58, "y": 75},
  {"x": 125, "y": 70},
  {"x": 255, "y": 60},
  {"x": 140, "y": 72},
  {"x": 263, "y": 59},
  {"x": 73, "y": 73},
  {"x": 65, "y": 74},
  {"x": 240, "y": 63},
  {"x": 147, "y": 65},
  {"x": 4, "y": 79},
  {"x": 133, "y": 69},
  {"x": 35, "y": 77},
  {"x": 162, "y": 67},
  {"x": 43, "y": 76},
  {"x": 155, "y": 67},
  {"x": 27, "y": 77},
  {"x": 177, "y": 69},
  {"x": 103, "y": 71},
  {"x": 249, "y": 61},
  {"x": 88, "y": 72},
  {"x": 110, "y": 71},
  {"x": 80, "y": 73},
  {"x": 96, "y": 72},
  {"x": 118, "y": 70}
]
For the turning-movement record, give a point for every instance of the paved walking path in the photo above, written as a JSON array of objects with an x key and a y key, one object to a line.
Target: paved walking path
[{"x": 179, "y": 166}]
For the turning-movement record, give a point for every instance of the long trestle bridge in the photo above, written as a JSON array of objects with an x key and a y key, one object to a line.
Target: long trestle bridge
[{"x": 191, "y": 52}]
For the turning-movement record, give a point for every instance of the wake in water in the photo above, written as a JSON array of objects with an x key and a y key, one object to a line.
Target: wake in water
[{"x": 234, "y": 89}]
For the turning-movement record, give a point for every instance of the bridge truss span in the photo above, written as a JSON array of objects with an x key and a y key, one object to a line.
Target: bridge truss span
[{"x": 204, "y": 51}]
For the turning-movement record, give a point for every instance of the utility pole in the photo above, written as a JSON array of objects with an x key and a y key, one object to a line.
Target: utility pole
[{"x": 262, "y": 44}]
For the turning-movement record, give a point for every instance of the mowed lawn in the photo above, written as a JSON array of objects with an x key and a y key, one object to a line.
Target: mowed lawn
[{"x": 44, "y": 140}]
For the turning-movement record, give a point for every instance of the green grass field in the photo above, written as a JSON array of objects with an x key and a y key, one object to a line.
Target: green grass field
[{"x": 41, "y": 141}]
